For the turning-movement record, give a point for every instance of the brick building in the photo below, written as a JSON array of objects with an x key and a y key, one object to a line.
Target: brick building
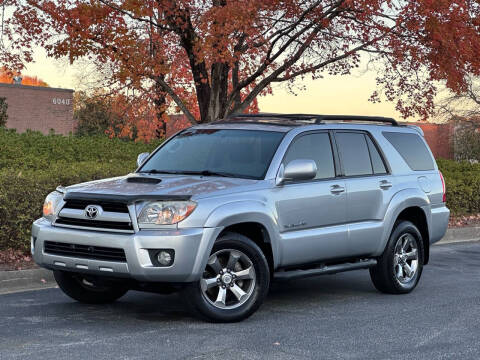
[{"x": 38, "y": 108}]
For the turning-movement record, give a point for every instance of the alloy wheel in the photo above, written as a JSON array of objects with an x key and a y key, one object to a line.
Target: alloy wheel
[
  {"x": 405, "y": 260},
  {"x": 229, "y": 279}
]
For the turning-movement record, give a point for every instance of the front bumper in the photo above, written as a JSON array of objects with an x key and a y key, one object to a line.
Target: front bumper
[{"x": 192, "y": 247}]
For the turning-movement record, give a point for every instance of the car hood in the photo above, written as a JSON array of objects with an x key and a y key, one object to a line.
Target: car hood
[{"x": 149, "y": 186}]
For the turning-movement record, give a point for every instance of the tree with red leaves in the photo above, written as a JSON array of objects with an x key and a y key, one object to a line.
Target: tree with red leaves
[
  {"x": 217, "y": 56},
  {"x": 7, "y": 78}
]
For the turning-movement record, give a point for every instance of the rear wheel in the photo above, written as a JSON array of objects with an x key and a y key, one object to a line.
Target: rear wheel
[
  {"x": 234, "y": 283},
  {"x": 88, "y": 290},
  {"x": 400, "y": 267}
]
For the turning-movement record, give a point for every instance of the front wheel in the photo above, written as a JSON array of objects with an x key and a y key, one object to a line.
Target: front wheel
[
  {"x": 234, "y": 283},
  {"x": 400, "y": 267},
  {"x": 88, "y": 290}
]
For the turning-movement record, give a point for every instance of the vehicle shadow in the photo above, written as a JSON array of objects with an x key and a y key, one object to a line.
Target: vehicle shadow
[{"x": 316, "y": 291}]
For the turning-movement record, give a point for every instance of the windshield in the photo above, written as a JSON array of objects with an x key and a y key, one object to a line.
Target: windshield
[{"x": 216, "y": 152}]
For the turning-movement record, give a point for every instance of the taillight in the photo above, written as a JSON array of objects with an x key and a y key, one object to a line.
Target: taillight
[{"x": 443, "y": 187}]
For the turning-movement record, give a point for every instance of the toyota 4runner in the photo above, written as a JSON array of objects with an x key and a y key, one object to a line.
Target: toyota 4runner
[{"x": 220, "y": 210}]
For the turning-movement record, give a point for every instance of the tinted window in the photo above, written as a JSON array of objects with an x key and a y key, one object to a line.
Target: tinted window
[
  {"x": 377, "y": 162},
  {"x": 315, "y": 147},
  {"x": 413, "y": 150},
  {"x": 354, "y": 153},
  {"x": 239, "y": 153}
]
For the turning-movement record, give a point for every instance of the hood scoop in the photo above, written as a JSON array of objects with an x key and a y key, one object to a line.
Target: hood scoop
[{"x": 143, "y": 180}]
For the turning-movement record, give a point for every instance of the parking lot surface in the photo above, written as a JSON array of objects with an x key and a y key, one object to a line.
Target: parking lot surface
[{"x": 338, "y": 316}]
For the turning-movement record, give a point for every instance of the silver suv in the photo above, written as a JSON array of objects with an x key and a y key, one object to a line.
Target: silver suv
[{"x": 220, "y": 210}]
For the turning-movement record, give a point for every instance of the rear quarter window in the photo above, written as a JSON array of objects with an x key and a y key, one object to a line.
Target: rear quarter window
[{"x": 412, "y": 149}]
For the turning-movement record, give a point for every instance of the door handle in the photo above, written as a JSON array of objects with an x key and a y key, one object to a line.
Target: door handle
[
  {"x": 385, "y": 184},
  {"x": 336, "y": 189}
]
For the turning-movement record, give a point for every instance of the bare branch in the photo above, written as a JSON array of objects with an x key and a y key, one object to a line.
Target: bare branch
[{"x": 329, "y": 61}]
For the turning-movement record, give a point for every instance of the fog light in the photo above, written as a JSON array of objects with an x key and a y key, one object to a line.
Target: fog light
[{"x": 164, "y": 258}]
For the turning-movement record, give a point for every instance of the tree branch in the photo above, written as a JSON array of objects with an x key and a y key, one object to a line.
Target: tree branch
[
  {"x": 274, "y": 77},
  {"x": 329, "y": 61},
  {"x": 330, "y": 13},
  {"x": 133, "y": 17},
  {"x": 175, "y": 98}
]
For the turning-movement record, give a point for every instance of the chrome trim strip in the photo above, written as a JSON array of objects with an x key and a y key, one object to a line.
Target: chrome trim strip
[
  {"x": 133, "y": 216},
  {"x": 102, "y": 216},
  {"x": 94, "y": 228}
]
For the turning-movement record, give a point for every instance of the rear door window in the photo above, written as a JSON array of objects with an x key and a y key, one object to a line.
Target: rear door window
[
  {"x": 412, "y": 149},
  {"x": 354, "y": 153},
  {"x": 377, "y": 161}
]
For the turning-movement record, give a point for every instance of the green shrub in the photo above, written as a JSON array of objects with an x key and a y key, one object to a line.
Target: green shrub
[
  {"x": 93, "y": 114},
  {"x": 34, "y": 151},
  {"x": 3, "y": 112},
  {"x": 32, "y": 165},
  {"x": 463, "y": 186}
]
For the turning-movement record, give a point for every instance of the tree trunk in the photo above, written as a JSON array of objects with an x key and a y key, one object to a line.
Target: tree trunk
[
  {"x": 219, "y": 92},
  {"x": 160, "y": 108}
]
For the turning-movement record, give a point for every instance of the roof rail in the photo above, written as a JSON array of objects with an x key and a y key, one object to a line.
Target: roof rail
[{"x": 315, "y": 118}]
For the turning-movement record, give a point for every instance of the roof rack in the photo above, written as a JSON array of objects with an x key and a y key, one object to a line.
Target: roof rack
[{"x": 311, "y": 118}]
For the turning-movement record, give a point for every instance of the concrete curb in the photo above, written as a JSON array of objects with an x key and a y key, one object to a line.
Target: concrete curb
[
  {"x": 36, "y": 279},
  {"x": 24, "y": 280},
  {"x": 461, "y": 234}
]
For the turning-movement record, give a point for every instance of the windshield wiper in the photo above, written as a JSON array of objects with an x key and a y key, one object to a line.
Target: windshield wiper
[
  {"x": 210, "y": 173},
  {"x": 155, "y": 171},
  {"x": 187, "y": 172}
]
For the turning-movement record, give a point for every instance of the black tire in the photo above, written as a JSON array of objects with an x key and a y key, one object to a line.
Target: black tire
[
  {"x": 197, "y": 301},
  {"x": 78, "y": 288},
  {"x": 384, "y": 275}
]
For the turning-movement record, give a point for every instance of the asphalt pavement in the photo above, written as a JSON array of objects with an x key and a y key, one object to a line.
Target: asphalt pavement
[{"x": 338, "y": 316}]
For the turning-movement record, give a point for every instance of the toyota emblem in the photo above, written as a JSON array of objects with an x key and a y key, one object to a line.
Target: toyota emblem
[{"x": 91, "y": 212}]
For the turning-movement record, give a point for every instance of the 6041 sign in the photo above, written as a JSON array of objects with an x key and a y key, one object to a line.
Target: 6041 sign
[{"x": 60, "y": 101}]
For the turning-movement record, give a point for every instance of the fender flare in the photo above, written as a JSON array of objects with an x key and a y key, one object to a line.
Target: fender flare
[
  {"x": 244, "y": 211},
  {"x": 402, "y": 200}
]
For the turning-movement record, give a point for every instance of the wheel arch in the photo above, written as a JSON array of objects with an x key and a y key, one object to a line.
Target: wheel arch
[
  {"x": 252, "y": 219},
  {"x": 417, "y": 216},
  {"x": 412, "y": 205},
  {"x": 256, "y": 232}
]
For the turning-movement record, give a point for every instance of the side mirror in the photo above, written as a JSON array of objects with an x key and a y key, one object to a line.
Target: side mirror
[
  {"x": 300, "y": 169},
  {"x": 141, "y": 158}
]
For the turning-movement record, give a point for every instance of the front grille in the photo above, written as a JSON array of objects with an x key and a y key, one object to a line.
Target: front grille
[
  {"x": 104, "y": 225},
  {"x": 113, "y": 217},
  {"x": 85, "y": 251},
  {"x": 109, "y": 206}
]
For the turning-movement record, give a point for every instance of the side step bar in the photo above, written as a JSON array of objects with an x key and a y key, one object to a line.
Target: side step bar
[{"x": 330, "y": 269}]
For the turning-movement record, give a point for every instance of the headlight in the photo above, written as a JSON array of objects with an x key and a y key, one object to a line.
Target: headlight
[
  {"x": 166, "y": 212},
  {"x": 50, "y": 206}
]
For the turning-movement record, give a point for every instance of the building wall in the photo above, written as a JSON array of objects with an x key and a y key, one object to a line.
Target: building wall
[{"x": 39, "y": 108}]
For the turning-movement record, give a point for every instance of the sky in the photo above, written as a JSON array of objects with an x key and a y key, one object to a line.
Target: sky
[{"x": 330, "y": 95}]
